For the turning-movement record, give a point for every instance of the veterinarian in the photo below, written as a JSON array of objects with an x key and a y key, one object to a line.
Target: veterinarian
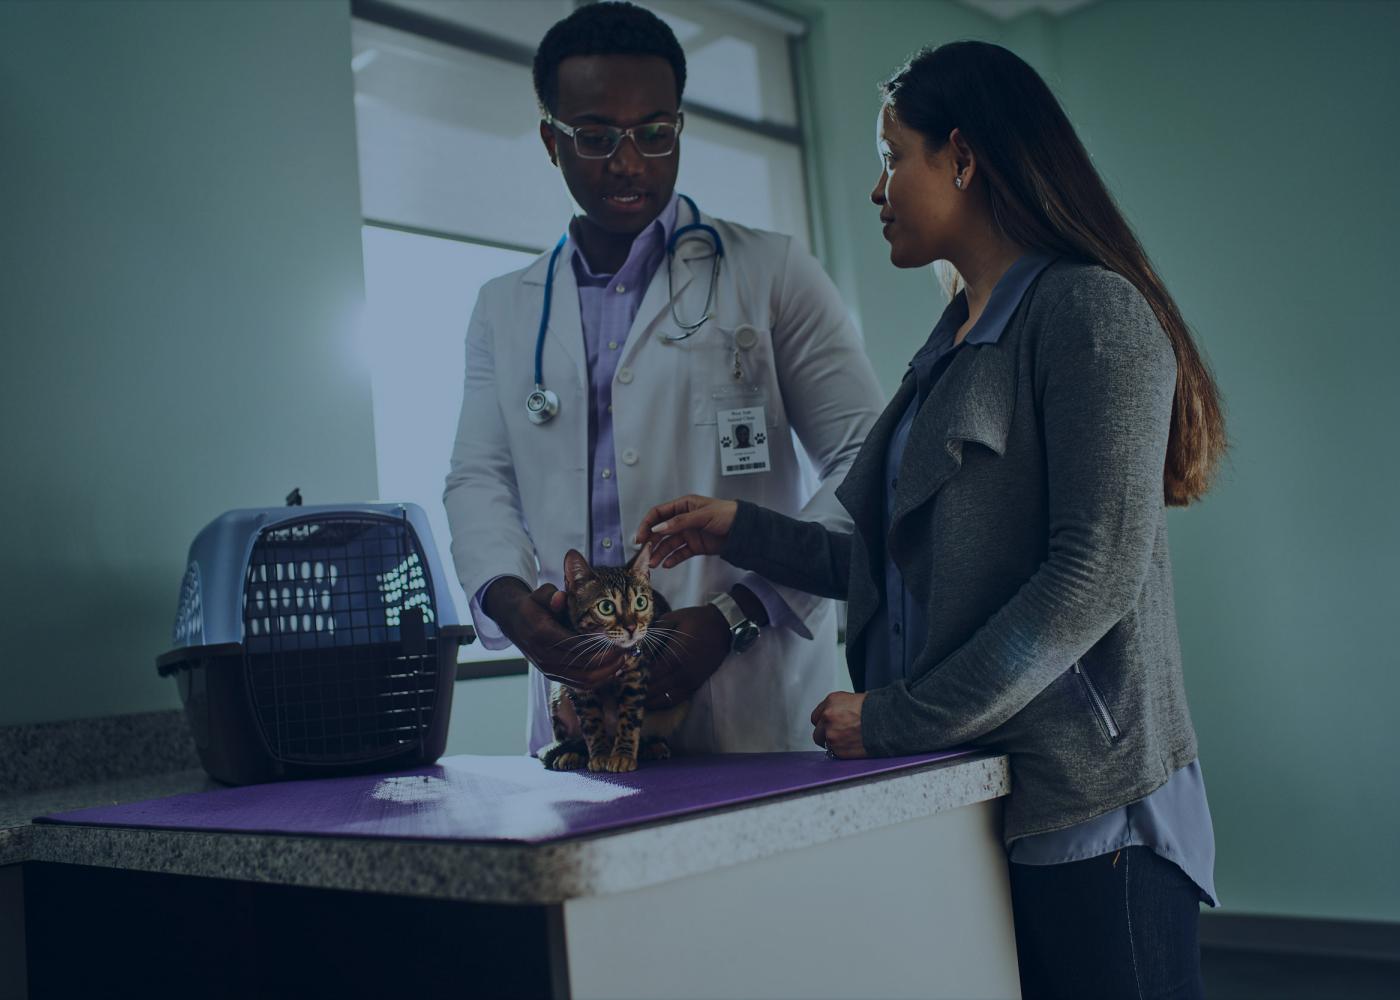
[
  {"x": 612, "y": 372},
  {"x": 1008, "y": 575}
]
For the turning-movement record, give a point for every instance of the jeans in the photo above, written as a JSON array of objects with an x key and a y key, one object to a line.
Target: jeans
[{"x": 1121, "y": 925}]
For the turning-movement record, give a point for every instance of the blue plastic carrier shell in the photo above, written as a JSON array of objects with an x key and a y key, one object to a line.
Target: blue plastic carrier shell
[{"x": 315, "y": 640}]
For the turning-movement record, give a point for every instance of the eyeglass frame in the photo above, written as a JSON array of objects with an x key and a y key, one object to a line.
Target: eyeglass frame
[{"x": 622, "y": 133}]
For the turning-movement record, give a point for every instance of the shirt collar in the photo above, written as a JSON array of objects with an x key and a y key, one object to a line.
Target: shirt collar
[
  {"x": 647, "y": 248},
  {"x": 1001, "y": 306}
]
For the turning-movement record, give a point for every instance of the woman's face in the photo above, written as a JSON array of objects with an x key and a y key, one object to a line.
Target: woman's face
[{"x": 915, "y": 193}]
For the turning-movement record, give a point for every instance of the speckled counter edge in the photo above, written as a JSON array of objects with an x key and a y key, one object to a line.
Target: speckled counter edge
[
  {"x": 55, "y": 754},
  {"x": 548, "y": 873},
  {"x": 14, "y": 845}
]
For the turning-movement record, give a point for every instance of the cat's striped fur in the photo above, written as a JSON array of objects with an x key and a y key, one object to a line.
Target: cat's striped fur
[{"x": 609, "y": 728}]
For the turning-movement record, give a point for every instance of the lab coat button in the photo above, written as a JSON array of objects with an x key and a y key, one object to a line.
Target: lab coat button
[
  {"x": 629, "y": 457},
  {"x": 624, "y": 375}
]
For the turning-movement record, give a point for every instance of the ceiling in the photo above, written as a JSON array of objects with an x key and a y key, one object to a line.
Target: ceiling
[{"x": 1005, "y": 10}]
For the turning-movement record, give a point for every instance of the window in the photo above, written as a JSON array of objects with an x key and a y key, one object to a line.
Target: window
[
  {"x": 420, "y": 291},
  {"x": 456, "y": 189}
]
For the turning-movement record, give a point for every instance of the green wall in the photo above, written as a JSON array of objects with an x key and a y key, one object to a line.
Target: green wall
[
  {"x": 852, "y": 47},
  {"x": 180, "y": 282},
  {"x": 1252, "y": 145}
]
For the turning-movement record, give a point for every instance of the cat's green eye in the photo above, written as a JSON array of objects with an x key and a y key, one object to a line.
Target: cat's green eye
[
  {"x": 641, "y": 602},
  {"x": 607, "y": 607}
]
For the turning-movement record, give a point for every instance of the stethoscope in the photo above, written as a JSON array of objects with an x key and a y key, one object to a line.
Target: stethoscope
[{"x": 542, "y": 405}]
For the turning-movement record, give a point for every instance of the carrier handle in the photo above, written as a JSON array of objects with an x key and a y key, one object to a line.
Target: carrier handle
[
  {"x": 184, "y": 657},
  {"x": 464, "y": 634}
]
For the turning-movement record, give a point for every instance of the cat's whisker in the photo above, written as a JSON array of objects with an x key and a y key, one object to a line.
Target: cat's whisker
[
  {"x": 581, "y": 637},
  {"x": 664, "y": 649},
  {"x": 669, "y": 635},
  {"x": 595, "y": 643}
]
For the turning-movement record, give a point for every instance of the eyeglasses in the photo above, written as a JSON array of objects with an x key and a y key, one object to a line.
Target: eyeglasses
[{"x": 598, "y": 142}]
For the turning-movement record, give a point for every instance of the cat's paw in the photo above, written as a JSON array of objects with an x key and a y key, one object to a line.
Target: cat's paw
[
  {"x": 656, "y": 750},
  {"x": 564, "y": 755},
  {"x": 567, "y": 761},
  {"x": 613, "y": 763}
]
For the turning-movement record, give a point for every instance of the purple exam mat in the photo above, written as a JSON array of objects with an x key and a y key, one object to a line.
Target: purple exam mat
[{"x": 501, "y": 799}]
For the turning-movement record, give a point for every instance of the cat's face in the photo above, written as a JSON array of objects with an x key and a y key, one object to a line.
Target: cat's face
[{"x": 611, "y": 601}]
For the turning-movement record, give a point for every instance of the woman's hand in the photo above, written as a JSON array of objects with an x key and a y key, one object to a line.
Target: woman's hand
[
  {"x": 836, "y": 725},
  {"x": 687, "y": 526}
]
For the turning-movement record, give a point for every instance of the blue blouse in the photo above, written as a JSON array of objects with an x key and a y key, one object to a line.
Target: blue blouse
[{"x": 1173, "y": 821}]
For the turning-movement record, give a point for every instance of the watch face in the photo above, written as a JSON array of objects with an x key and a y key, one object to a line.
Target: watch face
[{"x": 744, "y": 635}]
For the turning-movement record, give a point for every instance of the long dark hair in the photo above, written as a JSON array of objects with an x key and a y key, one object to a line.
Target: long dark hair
[{"x": 1046, "y": 195}]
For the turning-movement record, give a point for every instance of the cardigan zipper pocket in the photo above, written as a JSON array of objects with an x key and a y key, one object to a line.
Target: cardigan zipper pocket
[{"x": 1100, "y": 707}]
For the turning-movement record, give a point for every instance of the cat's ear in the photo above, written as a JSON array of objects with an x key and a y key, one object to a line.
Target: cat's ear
[
  {"x": 640, "y": 566},
  {"x": 576, "y": 569}
]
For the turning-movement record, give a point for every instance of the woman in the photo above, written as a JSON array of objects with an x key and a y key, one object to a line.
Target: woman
[{"x": 1008, "y": 577}]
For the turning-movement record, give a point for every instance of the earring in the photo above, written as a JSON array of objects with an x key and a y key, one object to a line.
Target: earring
[{"x": 957, "y": 183}]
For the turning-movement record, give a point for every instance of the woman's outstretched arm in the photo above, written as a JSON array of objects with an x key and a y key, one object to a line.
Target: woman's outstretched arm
[{"x": 801, "y": 554}]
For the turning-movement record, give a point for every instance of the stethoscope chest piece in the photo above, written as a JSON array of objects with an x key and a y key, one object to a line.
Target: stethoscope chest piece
[{"x": 541, "y": 405}]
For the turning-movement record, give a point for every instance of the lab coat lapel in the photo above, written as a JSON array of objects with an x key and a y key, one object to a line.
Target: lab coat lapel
[
  {"x": 693, "y": 261},
  {"x": 565, "y": 325}
]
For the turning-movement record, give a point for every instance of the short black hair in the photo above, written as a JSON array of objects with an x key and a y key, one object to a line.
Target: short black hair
[{"x": 611, "y": 28}]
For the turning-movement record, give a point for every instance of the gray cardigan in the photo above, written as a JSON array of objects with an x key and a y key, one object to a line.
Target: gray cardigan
[{"x": 1029, "y": 522}]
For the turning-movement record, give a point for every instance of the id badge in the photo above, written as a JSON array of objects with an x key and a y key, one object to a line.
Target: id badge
[{"x": 742, "y": 425}]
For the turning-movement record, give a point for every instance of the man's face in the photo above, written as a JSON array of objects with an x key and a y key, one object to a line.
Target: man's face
[{"x": 625, "y": 192}]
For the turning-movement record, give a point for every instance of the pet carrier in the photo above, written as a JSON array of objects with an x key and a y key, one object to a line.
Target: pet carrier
[{"x": 315, "y": 640}]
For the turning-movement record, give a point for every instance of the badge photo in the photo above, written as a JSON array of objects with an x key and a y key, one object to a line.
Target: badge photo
[{"x": 743, "y": 441}]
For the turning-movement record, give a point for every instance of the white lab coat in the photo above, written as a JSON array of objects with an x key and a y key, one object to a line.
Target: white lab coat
[{"x": 517, "y": 494}]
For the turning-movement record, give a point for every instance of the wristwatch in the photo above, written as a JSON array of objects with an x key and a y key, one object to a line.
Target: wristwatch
[{"x": 742, "y": 631}]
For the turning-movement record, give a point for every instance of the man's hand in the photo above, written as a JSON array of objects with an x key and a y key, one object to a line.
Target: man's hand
[
  {"x": 695, "y": 642},
  {"x": 531, "y": 620},
  {"x": 836, "y": 725}
]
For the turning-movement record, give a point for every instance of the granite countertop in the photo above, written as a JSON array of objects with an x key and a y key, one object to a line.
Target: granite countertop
[
  {"x": 369, "y": 856},
  {"x": 17, "y": 811}
]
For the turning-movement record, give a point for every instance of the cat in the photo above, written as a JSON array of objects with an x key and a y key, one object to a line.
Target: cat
[{"x": 608, "y": 728}]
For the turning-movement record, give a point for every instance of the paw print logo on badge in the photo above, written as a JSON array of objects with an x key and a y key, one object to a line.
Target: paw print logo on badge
[{"x": 743, "y": 441}]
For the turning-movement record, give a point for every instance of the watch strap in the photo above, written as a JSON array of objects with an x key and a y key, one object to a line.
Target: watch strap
[
  {"x": 733, "y": 614},
  {"x": 743, "y": 631}
]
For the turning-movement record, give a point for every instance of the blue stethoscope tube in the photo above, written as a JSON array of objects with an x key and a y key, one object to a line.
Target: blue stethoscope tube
[{"x": 542, "y": 404}]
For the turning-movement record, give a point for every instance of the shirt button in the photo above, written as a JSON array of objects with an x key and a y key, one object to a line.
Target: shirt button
[
  {"x": 612, "y": 345},
  {"x": 624, "y": 375},
  {"x": 896, "y": 624},
  {"x": 607, "y": 543},
  {"x": 629, "y": 457},
  {"x": 607, "y": 473},
  {"x": 621, "y": 289}
]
